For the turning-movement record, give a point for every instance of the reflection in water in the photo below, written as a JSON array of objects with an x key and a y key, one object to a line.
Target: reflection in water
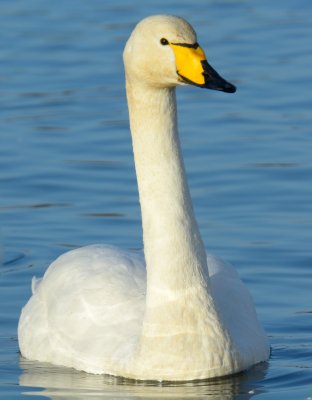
[
  {"x": 95, "y": 162},
  {"x": 10, "y": 261},
  {"x": 103, "y": 214},
  {"x": 13, "y": 258},
  {"x": 35, "y": 205},
  {"x": 65, "y": 383}
]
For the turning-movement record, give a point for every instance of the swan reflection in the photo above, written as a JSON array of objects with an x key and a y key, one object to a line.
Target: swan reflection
[{"x": 41, "y": 379}]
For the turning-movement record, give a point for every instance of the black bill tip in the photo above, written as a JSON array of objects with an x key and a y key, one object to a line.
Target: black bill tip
[
  {"x": 229, "y": 88},
  {"x": 214, "y": 81}
]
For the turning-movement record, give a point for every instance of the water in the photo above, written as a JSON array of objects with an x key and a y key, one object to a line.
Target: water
[{"x": 67, "y": 178}]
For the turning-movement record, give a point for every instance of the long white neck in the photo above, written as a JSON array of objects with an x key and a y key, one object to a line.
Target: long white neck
[
  {"x": 174, "y": 252},
  {"x": 180, "y": 317}
]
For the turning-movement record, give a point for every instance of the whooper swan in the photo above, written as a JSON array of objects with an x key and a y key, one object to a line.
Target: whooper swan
[{"x": 174, "y": 313}]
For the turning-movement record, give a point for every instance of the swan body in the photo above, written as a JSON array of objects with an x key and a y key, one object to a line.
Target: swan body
[{"x": 171, "y": 312}]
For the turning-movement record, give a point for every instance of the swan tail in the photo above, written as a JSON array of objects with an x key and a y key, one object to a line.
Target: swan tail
[{"x": 35, "y": 282}]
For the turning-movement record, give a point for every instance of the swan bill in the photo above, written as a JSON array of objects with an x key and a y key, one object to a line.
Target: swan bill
[
  {"x": 214, "y": 81},
  {"x": 193, "y": 68}
]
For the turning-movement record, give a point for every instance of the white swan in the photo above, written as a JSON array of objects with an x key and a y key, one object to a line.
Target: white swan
[{"x": 185, "y": 315}]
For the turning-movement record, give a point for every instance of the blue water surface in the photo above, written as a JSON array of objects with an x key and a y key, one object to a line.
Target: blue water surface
[{"x": 67, "y": 176}]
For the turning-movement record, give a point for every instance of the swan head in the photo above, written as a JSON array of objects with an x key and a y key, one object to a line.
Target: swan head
[{"x": 163, "y": 51}]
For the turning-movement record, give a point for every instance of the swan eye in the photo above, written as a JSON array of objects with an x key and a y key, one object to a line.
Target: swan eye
[{"x": 164, "y": 42}]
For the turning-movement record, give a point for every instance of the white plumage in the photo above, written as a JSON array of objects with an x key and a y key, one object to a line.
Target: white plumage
[{"x": 172, "y": 313}]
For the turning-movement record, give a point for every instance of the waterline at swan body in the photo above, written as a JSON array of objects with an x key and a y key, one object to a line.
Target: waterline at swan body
[{"x": 172, "y": 312}]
